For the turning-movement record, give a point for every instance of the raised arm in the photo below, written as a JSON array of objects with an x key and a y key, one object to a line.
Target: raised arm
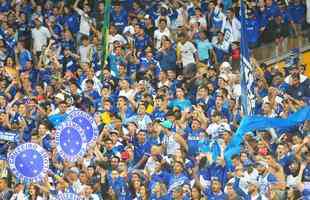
[{"x": 76, "y": 8}]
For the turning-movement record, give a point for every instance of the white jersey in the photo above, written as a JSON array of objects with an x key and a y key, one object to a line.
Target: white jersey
[{"x": 171, "y": 144}]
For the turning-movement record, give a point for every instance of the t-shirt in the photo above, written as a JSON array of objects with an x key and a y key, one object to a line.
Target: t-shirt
[
  {"x": 203, "y": 48},
  {"x": 85, "y": 53},
  {"x": 84, "y": 22},
  {"x": 187, "y": 53},
  {"x": 158, "y": 36},
  {"x": 40, "y": 37},
  {"x": 201, "y": 20}
]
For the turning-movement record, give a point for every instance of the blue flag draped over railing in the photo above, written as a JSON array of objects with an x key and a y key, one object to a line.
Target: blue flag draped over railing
[
  {"x": 246, "y": 70},
  {"x": 253, "y": 123}
]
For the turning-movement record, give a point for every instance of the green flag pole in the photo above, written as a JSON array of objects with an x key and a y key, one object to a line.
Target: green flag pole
[{"x": 105, "y": 33}]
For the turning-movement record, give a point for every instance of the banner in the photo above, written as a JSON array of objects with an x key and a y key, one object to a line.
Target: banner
[
  {"x": 29, "y": 162},
  {"x": 9, "y": 136},
  {"x": 68, "y": 196}
]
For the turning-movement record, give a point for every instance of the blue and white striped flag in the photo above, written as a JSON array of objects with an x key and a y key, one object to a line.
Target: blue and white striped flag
[{"x": 247, "y": 79}]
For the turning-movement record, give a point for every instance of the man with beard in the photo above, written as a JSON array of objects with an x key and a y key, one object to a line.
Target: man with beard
[
  {"x": 253, "y": 190},
  {"x": 266, "y": 180},
  {"x": 215, "y": 192}
]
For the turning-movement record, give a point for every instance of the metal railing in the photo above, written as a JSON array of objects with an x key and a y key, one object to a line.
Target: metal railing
[{"x": 275, "y": 52}]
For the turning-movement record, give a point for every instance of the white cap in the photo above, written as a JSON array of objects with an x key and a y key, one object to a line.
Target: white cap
[
  {"x": 129, "y": 29},
  {"x": 223, "y": 76},
  {"x": 225, "y": 66},
  {"x": 60, "y": 96}
]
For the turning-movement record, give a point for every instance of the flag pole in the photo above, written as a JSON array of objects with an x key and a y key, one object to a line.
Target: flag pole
[{"x": 105, "y": 34}]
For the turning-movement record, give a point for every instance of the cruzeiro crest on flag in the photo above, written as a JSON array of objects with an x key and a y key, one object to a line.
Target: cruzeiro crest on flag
[
  {"x": 68, "y": 196},
  {"x": 29, "y": 162},
  {"x": 86, "y": 122},
  {"x": 71, "y": 141}
]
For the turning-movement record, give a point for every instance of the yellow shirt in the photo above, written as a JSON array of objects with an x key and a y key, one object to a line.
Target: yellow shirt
[{"x": 106, "y": 117}]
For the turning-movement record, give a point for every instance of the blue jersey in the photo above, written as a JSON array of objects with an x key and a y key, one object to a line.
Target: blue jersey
[
  {"x": 297, "y": 12},
  {"x": 142, "y": 42},
  {"x": 252, "y": 30},
  {"x": 177, "y": 180},
  {"x": 23, "y": 31},
  {"x": 158, "y": 114},
  {"x": 68, "y": 64},
  {"x": 141, "y": 150},
  {"x": 72, "y": 22},
  {"x": 216, "y": 20},
  {"x": 145, "y": 64},
  {"x": 68, "y": 43},
  {"x": 47, "y": 142},
  {"x": 272, "y": 11},
  {"x": 286, "y": 17},
  {"x": 119, "y": 20},
  {"x": 192, "y": 138},
  {"x": 5, "y": 6},
  {"x": 45, "y": 75}
]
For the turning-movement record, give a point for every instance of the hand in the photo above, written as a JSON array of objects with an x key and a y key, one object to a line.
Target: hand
[
  {"x": 52, "y": 41},
  {"x": 48, "y": 24},
  {"x": 102, "y": 172},
  {"x": 221, "y": 161},
  {"x": 303, "y": 166},
  {"x": 180, "y": 77},
  {"x": 306, "y": 140},
  {"x": 62, "y": 3}
]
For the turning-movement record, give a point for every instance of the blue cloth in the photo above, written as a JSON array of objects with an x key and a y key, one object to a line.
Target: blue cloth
[
  {"x": 181, "y": 104},
  {"x": 57, "y": 119},
  {"x": 257, "y": 123}
]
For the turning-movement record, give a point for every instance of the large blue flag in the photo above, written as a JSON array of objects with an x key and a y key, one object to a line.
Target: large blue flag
[
  {"x": 246, "y": 70},
  {"x": 253, "y": 123}
]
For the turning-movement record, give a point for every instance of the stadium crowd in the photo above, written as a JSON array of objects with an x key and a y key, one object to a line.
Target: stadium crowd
[{"x": 167, "y": 102}]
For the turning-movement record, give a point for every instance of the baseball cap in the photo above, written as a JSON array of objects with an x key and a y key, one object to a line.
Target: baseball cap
[
  {"x": 74, "y": 170},
  {"x": 261, "y": 164},
  {"x": 147, "y": 16},
  {"x": 166, "y": 124},
  {"x": 224, "y": 77},
  {"x": 60, "y": 96},
  {"x": 106, "y": 85}
]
